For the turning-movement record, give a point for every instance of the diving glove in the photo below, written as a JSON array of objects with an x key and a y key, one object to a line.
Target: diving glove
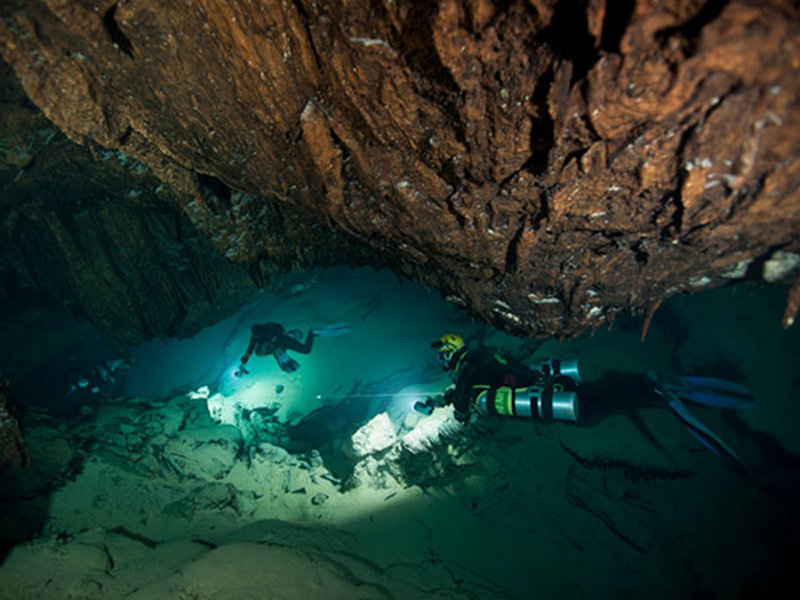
[
  {"x": 241, "y": 371},
  {"x": 431, "y": 402}
]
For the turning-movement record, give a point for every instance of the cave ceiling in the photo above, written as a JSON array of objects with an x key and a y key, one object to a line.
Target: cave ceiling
[{"x": 545, "y": 164}]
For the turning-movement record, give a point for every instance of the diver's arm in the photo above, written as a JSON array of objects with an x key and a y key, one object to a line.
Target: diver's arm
[
  {"x": 249, "y": 351},
  {"x": 462, "y": 394},
  {"x": 616, "y": 393}
]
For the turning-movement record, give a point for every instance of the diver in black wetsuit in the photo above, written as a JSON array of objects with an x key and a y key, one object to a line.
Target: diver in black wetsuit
[
  {"x": 489, "y": 384},
  {"x": 272, "y": 338}
]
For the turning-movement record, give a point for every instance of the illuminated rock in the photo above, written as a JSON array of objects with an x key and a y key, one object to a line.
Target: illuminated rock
[{"x": 377, "y": 435}]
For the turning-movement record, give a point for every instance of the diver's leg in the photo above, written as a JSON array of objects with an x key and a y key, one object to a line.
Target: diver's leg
[
  {"x": 616, "y": 393},
  {"x": 289, "y": 343}
]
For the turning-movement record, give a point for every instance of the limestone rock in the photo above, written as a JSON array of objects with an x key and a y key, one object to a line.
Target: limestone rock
[
  {"x": 12, "y": 444},
  {"x": 372, "y": 473},
  {"x": 169, "y": 418},
  {"x": 543, "y": 185},
  {"x": 376, "y": 435},
  {"x": 97, "y": 231},
  {"x": 203, "y": 454}
]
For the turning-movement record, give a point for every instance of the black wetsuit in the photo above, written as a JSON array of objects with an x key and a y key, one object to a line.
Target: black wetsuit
[
  {"x": 616, "y": 393},
  {"x": 485, "y": 368},
  {"x": 266, "y": 338}
]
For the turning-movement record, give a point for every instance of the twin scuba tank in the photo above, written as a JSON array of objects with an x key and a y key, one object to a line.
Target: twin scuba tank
[{"x": 552, "y": 398}]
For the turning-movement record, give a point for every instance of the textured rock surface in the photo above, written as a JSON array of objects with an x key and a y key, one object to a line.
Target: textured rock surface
[
  {"x": 546, "y": 164},
  {"x": 96, "y": 231},
  {"x": 375, "y": 435},
  {"x": 117, "y": 513},
  {"x": 12, "y": 443}
]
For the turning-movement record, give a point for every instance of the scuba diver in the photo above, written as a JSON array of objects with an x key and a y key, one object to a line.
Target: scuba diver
[
  {"x": 487, "y": 383},
  {"x": 272, "y": 338}
]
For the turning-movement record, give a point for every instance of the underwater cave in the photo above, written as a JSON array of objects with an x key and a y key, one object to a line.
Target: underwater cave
[{"x": 457, "y": 300}]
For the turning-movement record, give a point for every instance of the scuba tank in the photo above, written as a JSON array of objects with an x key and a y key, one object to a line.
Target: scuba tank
[
  {"x": 552, "y": 367},
  {"x": 552, "y": 398},
  {"x": 543, "y": 402}
]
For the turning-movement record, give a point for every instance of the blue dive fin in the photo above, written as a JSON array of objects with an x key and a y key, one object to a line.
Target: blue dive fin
[
  {"x": 707, "y": 390},
  {"x": 719, "y": 400},
  {"x": 331, "y": 330},
  {"x": 707, "y": 437},
  {"x": 713, "y": 383},
  {"x": 285, "y": 362},
  {"x": 699, "y": 437}
]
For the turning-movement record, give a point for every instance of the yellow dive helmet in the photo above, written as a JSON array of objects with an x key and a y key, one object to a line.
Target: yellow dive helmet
[{"x": 447, "y": 346}]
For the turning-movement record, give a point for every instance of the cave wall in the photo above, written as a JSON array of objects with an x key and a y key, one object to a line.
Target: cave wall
[
  {"x": 95, "y": 231},
  {"x": 546, "y": 164}
]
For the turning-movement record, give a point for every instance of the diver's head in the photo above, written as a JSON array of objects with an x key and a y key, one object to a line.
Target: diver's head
[{"x": 448, "y": 347}]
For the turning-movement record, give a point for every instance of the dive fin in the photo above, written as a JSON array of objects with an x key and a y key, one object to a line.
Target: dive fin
[
  {"x": 710, "y": 391},
  {"x": 699, "y": 437},
  {"x": 707, "y": 437},
  {"x": 719, "y": 392},
  {"x": 285, "y": 362},
  {"x": 719, "y": 400},
  {"x": 713, "y": 383},
  {"x": 331, "y": 330}
]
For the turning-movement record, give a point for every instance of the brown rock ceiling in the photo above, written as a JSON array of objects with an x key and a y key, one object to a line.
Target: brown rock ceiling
[
  {"x": 544, "y": 163},
  {"x": 97, "y": 232}
]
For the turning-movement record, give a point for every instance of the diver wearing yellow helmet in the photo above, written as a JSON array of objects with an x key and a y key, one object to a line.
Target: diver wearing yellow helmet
[
  {"x": 450, "y": 349},
  {"x": 492, "y": 384}
]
